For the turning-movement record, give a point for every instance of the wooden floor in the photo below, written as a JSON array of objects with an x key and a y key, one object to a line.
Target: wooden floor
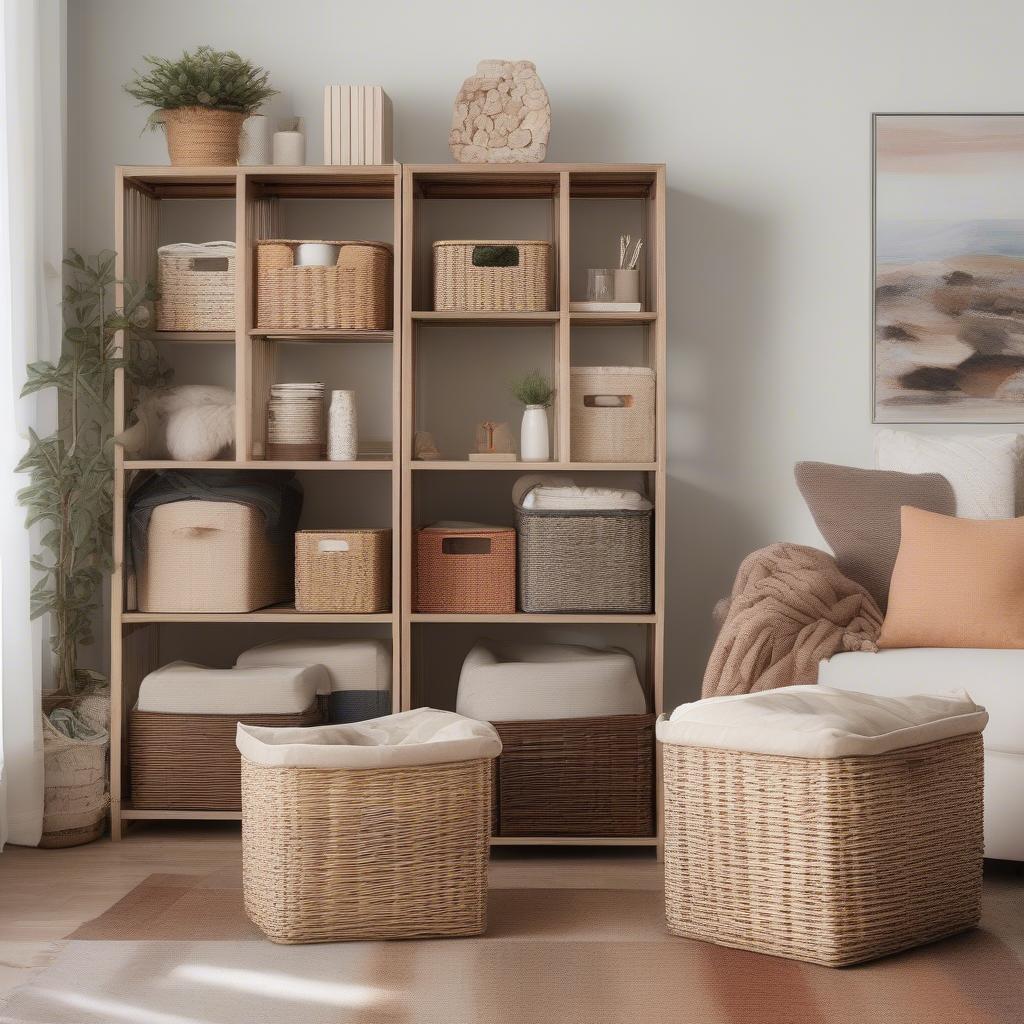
[{"x": 46, "y": 894}]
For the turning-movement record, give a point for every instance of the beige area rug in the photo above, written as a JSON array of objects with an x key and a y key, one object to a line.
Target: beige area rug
[{"x": 178, "y": 949}]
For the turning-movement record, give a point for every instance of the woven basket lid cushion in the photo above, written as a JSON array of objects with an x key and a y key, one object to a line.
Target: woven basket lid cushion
[
  {"x": 535, "y": 682},
  {"x": 818, "y": 721},
  {"x": 351, "y": 664},
  {"x": 419, "y": 737},
  {"x": 183, "y": 688}
]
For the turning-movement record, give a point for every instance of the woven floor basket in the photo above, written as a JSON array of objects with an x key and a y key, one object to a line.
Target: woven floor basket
[
  {"x": 611, "y": 433},
  {"x": 343, "y": 571},
  {"x": 459, "y": 571},
  {"x": 395, "y": 853},
  {"x": 190, "y": 762},
  {"x": 459, "y": 284},
  {"x": 833, "y": 861},
  {"x": 353, "y": 295},
  {"x": 201, "y": 137},
  {"x": 197, "y": 292},
  {"x": 211, "y": 556},
  {"x": 584, "y": 561},
  {"x": 576, "y": 777}
]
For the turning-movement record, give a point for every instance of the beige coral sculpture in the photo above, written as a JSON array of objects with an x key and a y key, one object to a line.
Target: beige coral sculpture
[{"x": 502, "y": 115}]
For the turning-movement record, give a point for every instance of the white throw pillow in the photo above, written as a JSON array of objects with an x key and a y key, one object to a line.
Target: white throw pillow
[{"x": 981, "y": 470}]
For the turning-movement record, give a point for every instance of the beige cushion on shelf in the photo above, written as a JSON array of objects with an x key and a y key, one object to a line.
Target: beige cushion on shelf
[
  {"x": 957, "y": 583},
  {"x": 858, "y": 513}
]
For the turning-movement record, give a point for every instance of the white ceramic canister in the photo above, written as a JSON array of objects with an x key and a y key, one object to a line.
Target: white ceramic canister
[
  {"x": 342, "y": 435},
  {"x": 534, "y": 444},
  {"x": 316, "y": 254},
  {"x": 254, "y": 147}
]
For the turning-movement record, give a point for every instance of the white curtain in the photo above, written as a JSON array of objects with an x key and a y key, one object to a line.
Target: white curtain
[{"x": 32, "y": 142}]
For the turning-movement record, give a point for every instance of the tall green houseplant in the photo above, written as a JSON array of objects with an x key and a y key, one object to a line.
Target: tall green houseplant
[{"x": 72, "y": 470}]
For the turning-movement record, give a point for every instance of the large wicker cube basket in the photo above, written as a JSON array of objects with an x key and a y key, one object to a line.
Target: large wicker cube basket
[
  {"x": 466, "y": 279},
  {"x": 832, "y": 860},
  {"x": 343, "y": 571},
  {"x": 350, "y": 854},
  {"x": 196, "y": 285},
  {"x": 576, "y": 777},
  {"x": 465, "y": 570},
  {"x": 355, "y": 294},
  {"x": 211, "y": 556},
  {"x": 611, "y": 413}
]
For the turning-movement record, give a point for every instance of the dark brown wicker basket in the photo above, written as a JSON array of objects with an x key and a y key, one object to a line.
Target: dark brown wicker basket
[
  {"x": 576, "y": 777},
  {"x": 190, "y": 762}
]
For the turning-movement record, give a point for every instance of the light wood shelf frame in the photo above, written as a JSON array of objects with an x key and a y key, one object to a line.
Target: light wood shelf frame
[
  {"x": 559, "y": 184},
  {"x": 255, "y": 191}
]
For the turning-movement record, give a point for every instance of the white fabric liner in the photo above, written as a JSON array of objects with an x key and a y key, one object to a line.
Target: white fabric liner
[
  {"x": 351, "y": 664},
  {"x": 564, "y": 494},
  {"x": 818, "y": 721},
  {"x": 509, "y": 682},
  {"x": 182, "y": 688},
  {"x": 419, "y": 737}
]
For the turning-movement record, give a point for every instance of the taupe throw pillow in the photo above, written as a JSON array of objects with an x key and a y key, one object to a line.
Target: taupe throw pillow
[{"x": 858, "y": 513}]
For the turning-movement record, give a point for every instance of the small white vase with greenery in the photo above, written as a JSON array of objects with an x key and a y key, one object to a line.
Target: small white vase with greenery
[{"x": 535, "y": 392}]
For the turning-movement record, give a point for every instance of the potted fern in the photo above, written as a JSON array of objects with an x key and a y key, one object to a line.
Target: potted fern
[
  {"x": 70, "y": 494},
  {"x": 201, "y": 99},
  {"x": 535, "y": 392}
]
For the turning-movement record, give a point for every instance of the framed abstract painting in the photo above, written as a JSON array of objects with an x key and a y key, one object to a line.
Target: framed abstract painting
[{"x": 948, "y": 268}]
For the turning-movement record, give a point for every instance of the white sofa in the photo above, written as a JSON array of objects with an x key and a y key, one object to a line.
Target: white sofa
[{"x": 995, "y": 679}]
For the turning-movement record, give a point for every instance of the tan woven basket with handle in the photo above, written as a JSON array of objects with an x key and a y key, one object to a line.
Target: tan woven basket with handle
[
  {"x": 611, "y": 413},
  {"x": 355, "y": 294},
  {"x": 830, "y": 860},
  {"x": 196, "y": 282},
  {"x": 346, "y": 854},
  {"x": 202, "y": 137},
  {"x": 465, "y": 569},
  {"x": 461, "y": 282},
  {"x": 343, "y": 571}
]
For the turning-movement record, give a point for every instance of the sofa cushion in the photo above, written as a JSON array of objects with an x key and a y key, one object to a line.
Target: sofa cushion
[
  {"x": 993, "y": 678},
  {"x": 858, "y": 513},
  {"x": 956, "y": 583}
]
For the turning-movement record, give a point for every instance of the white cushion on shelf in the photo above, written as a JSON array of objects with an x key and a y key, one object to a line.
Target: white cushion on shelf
[
  {"x": 533, "y": 682},
  {"x": 351, "y": 664},
  {"x": 564, "y": 494},
  {"x": 182, "y": 688}
]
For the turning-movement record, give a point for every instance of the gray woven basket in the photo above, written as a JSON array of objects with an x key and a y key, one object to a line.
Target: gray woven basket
[{"x": 584, "y": 561}]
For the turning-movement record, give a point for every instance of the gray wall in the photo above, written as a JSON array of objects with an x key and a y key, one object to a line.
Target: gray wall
[{"x": 761, "y": 112}]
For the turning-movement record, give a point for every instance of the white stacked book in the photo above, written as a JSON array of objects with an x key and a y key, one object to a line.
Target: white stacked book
[{"x": 357, "y": 125}]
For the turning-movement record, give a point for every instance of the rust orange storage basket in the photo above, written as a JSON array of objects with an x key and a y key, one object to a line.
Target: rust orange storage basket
[{"x": 465, "y": 569}]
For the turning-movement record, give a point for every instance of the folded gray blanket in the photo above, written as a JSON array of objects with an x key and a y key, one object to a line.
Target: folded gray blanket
[{"x": 790, "y": 608}]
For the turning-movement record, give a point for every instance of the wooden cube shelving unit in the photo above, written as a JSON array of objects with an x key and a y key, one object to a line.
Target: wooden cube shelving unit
[{"x": 581, "y": 209}]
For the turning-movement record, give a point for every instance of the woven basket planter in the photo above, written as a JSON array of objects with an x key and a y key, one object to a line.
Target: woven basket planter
[
  {"x": 576, "y": 777},
  {"x": 585, "y": 561},
  {"x": 611, "y": 413},
  {"x": 343, "y": 571},
  {"x": 465, "y": 570},
  {"x": 211, "y": 556},
  {"x": 355, "y": 294},
  {"x": 464, "y": 281},
  {"x": 201, "y": 137},
  {"x": 190, "y": 762},
  {"x": 832, "y": 860},
  {"x": 349, "y": 854},
  {"x": 196, "y": 283}
]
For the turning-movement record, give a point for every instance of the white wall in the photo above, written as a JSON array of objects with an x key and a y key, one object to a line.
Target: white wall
[{"x": 761, "y": 111}]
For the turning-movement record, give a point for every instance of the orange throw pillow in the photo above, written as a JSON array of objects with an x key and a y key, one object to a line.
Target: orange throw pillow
[{"x": 956, "y": 583}]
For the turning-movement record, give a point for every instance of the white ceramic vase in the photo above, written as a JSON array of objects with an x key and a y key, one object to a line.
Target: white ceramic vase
[
  {"x": 342, "y": 436},
  {"x": 534, "y": 445}
]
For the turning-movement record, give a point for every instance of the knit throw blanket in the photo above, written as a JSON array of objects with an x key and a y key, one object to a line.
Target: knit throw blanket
[{"x": 790, "y": 608}]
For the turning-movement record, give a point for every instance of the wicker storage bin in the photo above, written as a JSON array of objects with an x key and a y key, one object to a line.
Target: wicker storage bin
[
  {"x": 196, "y": 283},
  {"x": 190, "y": 762},
  {"x": 829, "y": 860},
  {"x": 211, "y": 556},
  {"x": 584, "y": 561},
  {"x": 343, "y": 571},
  {"x": 459, "y": 570},
  {"x": 464, "y": 281},
  {"x": 576, "y": 777},
  {"x": 612, "y": 413},
  {"x": 355, "y": 294},
  {"x": 352, "y": 853}
]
